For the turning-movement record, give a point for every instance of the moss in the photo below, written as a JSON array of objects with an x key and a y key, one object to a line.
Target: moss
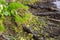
[{"x": 14, "y": 15}]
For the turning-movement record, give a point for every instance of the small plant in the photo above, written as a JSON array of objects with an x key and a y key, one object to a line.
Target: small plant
[
  {"x": 10, "y": 9},
  {"x": 1, "y": 26},
  {"x": 16, "y": 5}
]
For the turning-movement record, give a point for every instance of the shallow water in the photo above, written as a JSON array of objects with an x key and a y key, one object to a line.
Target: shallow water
[{"x": 57, "y": 4}]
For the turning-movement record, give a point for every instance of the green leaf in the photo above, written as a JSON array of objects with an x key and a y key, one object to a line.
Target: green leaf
[
  {"x": 22, "y": 19},
  {"x": 27, "y": 16},
  {"x": 18, "y": 18},
  {"x": 2, "y": 1},
  {"x": 1, "y": 28},
  {"x": 16, "y": 5},
  {"x": 6, "y": 13}
]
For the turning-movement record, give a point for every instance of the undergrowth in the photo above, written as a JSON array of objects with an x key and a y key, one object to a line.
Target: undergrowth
[{"x": 13, "y": 15}]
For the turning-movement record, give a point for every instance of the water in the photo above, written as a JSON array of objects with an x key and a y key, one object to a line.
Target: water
[{"x": 57, "y": 4}]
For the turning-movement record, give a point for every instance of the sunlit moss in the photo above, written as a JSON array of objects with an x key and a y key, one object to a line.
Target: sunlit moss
[{"x": 28, "y": 1}]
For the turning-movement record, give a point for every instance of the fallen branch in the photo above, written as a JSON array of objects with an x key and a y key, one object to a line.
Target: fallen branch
[
  {"x": 43, "y": 6},
  {"x": 28, "y": 30},
  {"x": 47, "y": 13},
  {"x": 4, "y": 37},
  {"x": 51, "y": 19}
]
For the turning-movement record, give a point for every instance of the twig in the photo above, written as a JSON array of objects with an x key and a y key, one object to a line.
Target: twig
[
  {"x": 28, "y": 30},
  {"x": 4, "y": 37}
]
